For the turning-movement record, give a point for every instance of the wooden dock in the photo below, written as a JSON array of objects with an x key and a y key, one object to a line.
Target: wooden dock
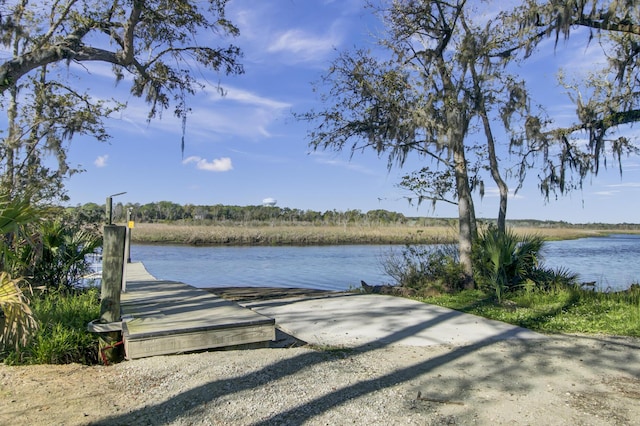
[{"x": 169, "y": 317}]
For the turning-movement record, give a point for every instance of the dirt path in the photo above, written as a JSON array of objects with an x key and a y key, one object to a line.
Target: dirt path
[{"x": 577, "y": 380}]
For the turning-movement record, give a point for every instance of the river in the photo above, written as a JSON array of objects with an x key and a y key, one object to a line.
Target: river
[{"x": 613, "y": 262}]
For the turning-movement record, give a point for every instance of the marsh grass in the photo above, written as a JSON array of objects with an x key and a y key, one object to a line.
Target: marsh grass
[
  {"x": 306, "y": 234},
  {"x": 562, "y": 310},
  {"x": 62, "y": 336},
  {"x": 286, "y": 235}
]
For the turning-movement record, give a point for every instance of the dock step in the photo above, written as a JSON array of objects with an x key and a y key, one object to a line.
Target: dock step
[{"x": 170, "y": 317}]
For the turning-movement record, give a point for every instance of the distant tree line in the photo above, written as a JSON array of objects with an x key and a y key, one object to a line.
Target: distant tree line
[{"x": 166, "y": 211}]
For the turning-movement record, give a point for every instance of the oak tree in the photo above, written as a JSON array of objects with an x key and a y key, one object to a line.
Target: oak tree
[
  {"x": 438, "y": 75},
  {"x": 158, "y": 47},
  {"x": 607, "y": 101}
]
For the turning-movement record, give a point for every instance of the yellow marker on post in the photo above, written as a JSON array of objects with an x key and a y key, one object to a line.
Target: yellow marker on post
[{"x": 130, "y": 224}]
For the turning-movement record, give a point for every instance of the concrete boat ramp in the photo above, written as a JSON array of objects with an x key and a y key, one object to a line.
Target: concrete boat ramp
[{"x": 170, "y": 317}]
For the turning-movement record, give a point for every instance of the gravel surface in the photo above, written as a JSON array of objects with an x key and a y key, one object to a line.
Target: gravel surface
[{"x": 562, "y": 380}]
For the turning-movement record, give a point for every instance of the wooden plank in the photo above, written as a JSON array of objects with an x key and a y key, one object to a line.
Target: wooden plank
[
  {"x": 177, "y": 343},
  {"x": 169, "y": 317},
  {"x": 137, "y": 272}
]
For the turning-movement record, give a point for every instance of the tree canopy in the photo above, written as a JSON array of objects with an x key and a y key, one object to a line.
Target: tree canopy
[
  {"x": 440, "y": 72},
  {"x": 607, "y": 101},
  {"x": 155, "y": 46},
  {"x": 442, "y": 81}
]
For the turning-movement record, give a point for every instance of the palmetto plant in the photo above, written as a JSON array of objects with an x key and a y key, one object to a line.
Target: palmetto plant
[
  {"x": 60, "y": 261},
  {"x": 503, "y": 260},
  {"x": 16, "y": 319},
  {"x": 16, "y": 214}
]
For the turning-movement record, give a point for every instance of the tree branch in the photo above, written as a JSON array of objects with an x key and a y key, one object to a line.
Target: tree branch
[
  {"x": 128, "y": 50},
  {"x": 624, "y": 26},
  {"x": 612, "y": 120}
]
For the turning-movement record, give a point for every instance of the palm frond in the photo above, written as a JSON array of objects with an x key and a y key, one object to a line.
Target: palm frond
[{"x": 16, "y": 318}]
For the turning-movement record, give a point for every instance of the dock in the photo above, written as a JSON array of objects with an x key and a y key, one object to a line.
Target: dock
[{"x": 162, "y": 317}]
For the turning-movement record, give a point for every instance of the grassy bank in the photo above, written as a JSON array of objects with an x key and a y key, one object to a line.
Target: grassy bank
[
  {"x": 567, "y": 310},
  {"x": 61, "y": 336},
  {"x": 300, "y": 234}
]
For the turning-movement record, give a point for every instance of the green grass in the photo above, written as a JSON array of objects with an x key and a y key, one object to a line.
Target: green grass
[
  {"x": 62, "y": 335},
  {"x": 560, "y": 311}
]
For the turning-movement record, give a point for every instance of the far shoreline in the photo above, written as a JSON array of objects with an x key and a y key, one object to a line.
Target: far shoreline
[{"x": 350, "y": 234}]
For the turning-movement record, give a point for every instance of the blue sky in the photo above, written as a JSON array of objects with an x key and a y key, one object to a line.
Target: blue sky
[{"x": 246, "y": 146}]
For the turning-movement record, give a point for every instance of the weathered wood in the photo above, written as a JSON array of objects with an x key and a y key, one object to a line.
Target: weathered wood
[
  {"x": 127, "y": 245},
  {"x": 111, "y": 284},
  {"x": 112, "y": 272},
  {"x": 170, "y": 317},
  {"x": 195, "y": 340}
]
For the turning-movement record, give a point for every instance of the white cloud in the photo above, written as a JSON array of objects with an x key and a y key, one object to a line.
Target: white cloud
[
  {"x": 241, "y": 113},
  {"x": 624, "y": 185},
  {"x": 98, "y": 69},
  {"x": 491, "y": 192},
  {"x": 323, "y": 158},
  {"x": 304, "y": 47},
  {"x": 631, "y": 165},
  {"x": 101, "y": 161},
  {"x": 298, "y": 36},
  {"x": 606, "y": 193},
  {"x": 222, "y": 164},
  {"x": 582, "y": 56},
  {"x": 245, "y": 97}
]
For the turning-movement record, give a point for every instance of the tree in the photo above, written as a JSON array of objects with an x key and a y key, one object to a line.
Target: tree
[
  {"x": 152, "y": 42},
  {"x": 607, "y": 101},
  {"x": 373, "y": 104},
  {"x": 495, "y": 96},
  {"x": 439, "y": 75},
  {"x": 88, "y": 213}
]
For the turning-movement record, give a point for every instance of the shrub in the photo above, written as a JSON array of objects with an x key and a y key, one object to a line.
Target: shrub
[
  {"x": 547, "y": 279},
  {"x": 60, "y": 261},
  {"x": 503, "y": 261},
  {"x": 426, "y": 268},
  {"x": 52, "y": 329}
]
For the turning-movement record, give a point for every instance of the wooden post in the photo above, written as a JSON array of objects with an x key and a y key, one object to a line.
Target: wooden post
[
  {"x": 112, "y": 276},
  {"x": 127, "y": 247},
  {"x": 109, "y": 210}
]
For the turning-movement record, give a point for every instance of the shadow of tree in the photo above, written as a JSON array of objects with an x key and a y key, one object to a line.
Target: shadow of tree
[{"x": 198, "y": 398}]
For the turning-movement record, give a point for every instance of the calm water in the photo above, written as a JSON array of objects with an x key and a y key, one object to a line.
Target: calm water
[
  {"x": 327, "y": 267},
  {"x": 613, "y": 262}
]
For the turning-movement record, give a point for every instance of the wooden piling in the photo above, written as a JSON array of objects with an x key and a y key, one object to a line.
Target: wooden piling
[{"x": 111, "y": 286}]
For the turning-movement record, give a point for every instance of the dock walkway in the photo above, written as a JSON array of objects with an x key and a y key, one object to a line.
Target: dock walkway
[{"x": 169, "y": 317}]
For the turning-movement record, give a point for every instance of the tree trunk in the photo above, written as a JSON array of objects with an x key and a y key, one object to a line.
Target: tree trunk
[
  {"x": 466, "y": 221},
  {"x": 495, "y": 172},
  {"x": 10, "y": 144},
  {"x": 491, "y": 146}
]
